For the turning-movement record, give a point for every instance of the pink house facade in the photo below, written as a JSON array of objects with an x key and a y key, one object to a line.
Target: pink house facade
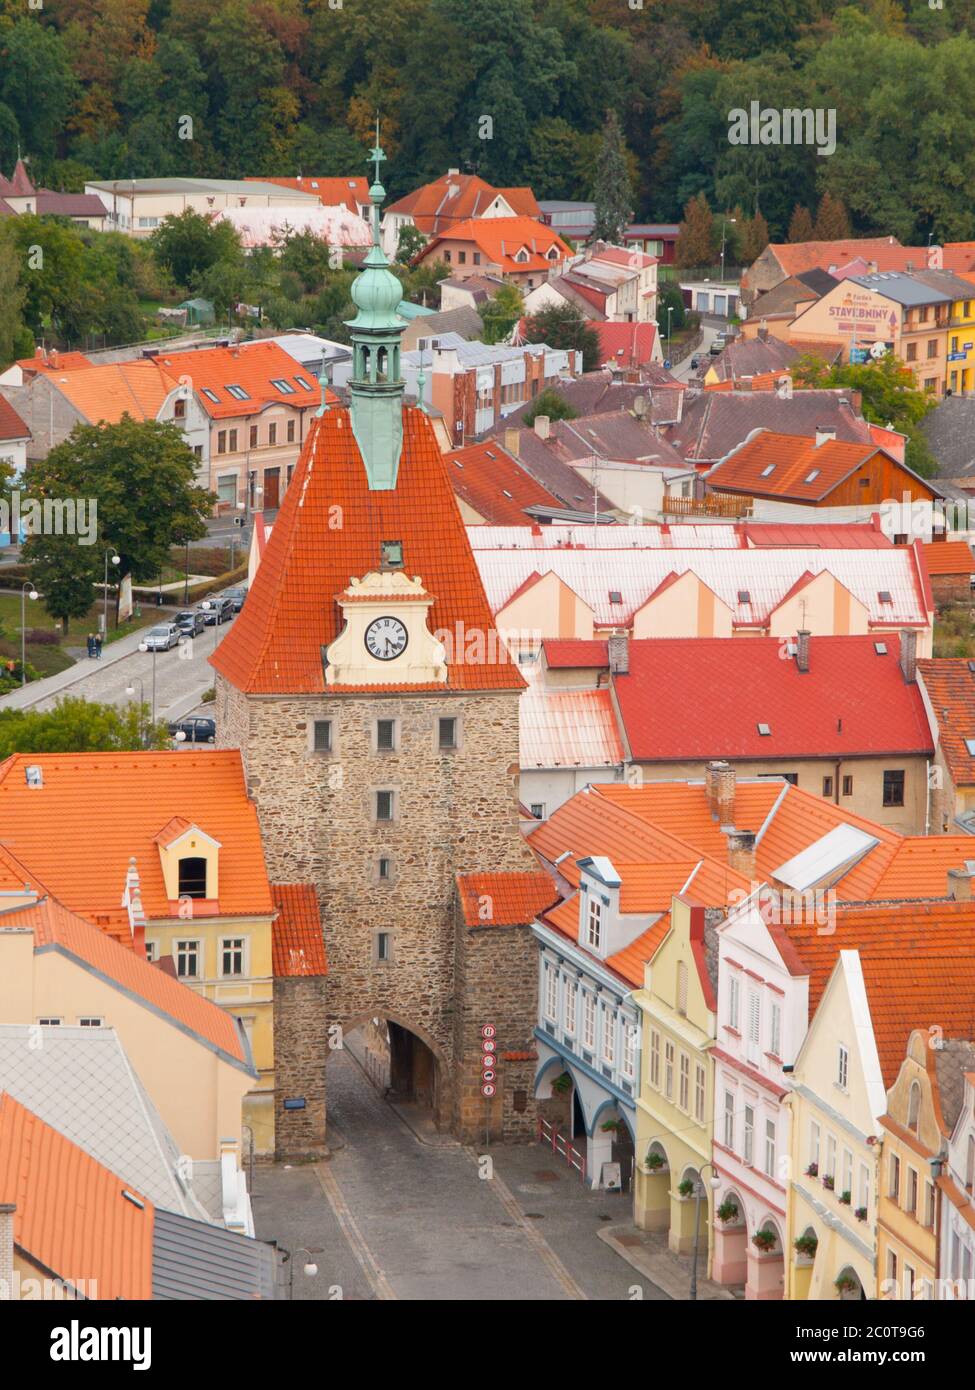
[{"x": 763, "y": 994}]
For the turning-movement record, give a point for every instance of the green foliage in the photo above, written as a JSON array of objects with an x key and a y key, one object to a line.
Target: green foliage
[
  {"x": 670, "y": 297},
  {"x": 612, "y": 192},
  {"x": 500, "y": 314},
  {"x": 697, "y": 240},
  {"x": 78, "y": 726},
  {"x": 64, "y": 574},
  {"x": 550, "y": 403},
  {"x": 187, "y": 245},
  {"x": 563, "y": 326},
  {"x": 410, "y": 241}
]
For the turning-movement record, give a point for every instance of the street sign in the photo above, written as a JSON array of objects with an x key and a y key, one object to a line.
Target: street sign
[
  {"x": 488, "y": 1031},
  {"x": 488, "y": 1089},
  {"x": 667, "y": 363}
]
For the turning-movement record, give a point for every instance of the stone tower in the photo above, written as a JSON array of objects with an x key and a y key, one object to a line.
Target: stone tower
[{"x": 377, "y": 717}]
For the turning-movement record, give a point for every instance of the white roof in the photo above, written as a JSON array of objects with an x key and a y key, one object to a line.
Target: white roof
[
  {"x": 717, "y": 534},
  {"x": 263, "y": 226},
  {"x": 826, "y": 859},
  {"x": 765, "y": 575},
  {"x": 602, "y": 868}
]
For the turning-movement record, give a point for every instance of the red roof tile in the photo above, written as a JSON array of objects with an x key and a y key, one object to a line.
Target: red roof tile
[
  {"x": 351, "y": 192},
  {"x": 626, "y": 344},
  {"x": 501, "y": 238},
  {"x": 454, "y": 198},
  {"x": 11, "y": 425},
  {"x": 506, "y": 899},
  {"x": 73, "y": 1217},
  {"x": 788, "y": 465},
  {"x": 949, "y": 557},
  {"x": 950, "y": 686},
  {"x": 494, "y": 485},
  {"x": 297, "y": 944},
  {"x": 573, "y": 654},
  {"x": 275, "y": 646}
]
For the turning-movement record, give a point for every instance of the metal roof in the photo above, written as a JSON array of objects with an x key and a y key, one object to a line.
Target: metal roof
[
  {"x": 826, "y": 859},
  {"x": 191, "y": 1260},
  {"x": 902, "y": 289}
]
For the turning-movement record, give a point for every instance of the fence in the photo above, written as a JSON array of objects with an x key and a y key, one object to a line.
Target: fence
[
  {"x": 712, "y": 504},
  {"x": 549, "y": 1135}
]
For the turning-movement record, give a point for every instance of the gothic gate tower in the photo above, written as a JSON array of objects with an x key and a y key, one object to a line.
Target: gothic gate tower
[{"x": 377, "y": 717}]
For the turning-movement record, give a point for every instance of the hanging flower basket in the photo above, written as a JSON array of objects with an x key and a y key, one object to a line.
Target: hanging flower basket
[
  {"x": 655, "y": 1162},
  {"x": 807, "y": 1245},
  {"x": 728, "y": 1211},
  {"x": 764, "y": 1241},
  {"x": 845, "y": 1286},
  {"x": 685, "y": 1187}
]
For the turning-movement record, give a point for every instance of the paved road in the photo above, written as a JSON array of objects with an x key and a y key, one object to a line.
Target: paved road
[
  {"x": 394, "y": 1218},
  {"x": 683, "y": 369}
]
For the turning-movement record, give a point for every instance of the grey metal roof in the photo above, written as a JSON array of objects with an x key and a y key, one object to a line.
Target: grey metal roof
[
  {"x": 902, "y": 289},
  {"x": 950, "y": 432},
  {"x": 183, "y": 185},
  {"x": 81, "y": 1083},
  {"x": 561, "y": 205},
  {"x": 191, "y": 1260}
]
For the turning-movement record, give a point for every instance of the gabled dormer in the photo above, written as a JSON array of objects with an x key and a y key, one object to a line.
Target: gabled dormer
[
  {"x": 604, "y": 928},
  {"x": 190, "y": 860}
]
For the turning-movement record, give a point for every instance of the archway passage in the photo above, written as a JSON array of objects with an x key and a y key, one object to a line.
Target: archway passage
[
  {"x": 402, "y": 1067},
  {"x": 413, "y": 1069}
]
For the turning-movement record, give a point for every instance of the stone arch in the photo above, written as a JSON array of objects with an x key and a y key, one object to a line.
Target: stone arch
[
  {"x": 421, "y": 1075},
  {"x": 730, "y": 1238},
  {"x": 548, "y": 1072},
  {"x": 621, "y": 1112},
  {"x": 731, "y": 1194},
  {"x": 855, "y": 1295},
  {"x": 766, "y": 1267}
]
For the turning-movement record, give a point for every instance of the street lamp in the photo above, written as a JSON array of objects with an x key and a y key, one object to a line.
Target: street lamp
[
  {"x": 26, "y": 589},
  {"x": 715, "y": 1183},
  {"x": 309, "y": 1269},
  {"x": 144, "y": 647},
  {"x": 724, "y": 229},
  {"x": 130, "y": 690},
  {"x": 116, "y": 560},
  {"x": 670, "y": 310}
]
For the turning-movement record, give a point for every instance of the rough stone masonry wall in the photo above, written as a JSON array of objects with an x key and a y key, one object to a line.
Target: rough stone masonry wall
[
  {"x": 299, "y": 1067},
  {"x": 456, "y": 812}
]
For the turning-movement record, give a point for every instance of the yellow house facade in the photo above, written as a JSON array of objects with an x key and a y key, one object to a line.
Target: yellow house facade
[
  {"x": 960, "y": 353},
  {"x": 907, "y": 1242},
  {"x": 674, "y": 1111},
  {"x": 837, "y": 1099}
]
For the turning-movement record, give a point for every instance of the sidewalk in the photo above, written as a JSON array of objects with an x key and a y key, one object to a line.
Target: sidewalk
[
  {"x": 648, "y": 1252},
  {"x": 36, "y": 691}
]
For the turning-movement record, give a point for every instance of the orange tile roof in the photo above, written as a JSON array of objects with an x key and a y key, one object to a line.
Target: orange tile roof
[
  {"x": 275, "y": 646},
  {"x": 454, "y": 198},
  {"x": 919, "y": 989},
  {"x": 788, "y": 465},
  {"x": 950, "y": 686},
  {"x": 297, "y": 944},
  {"x": 629, "y": 963},
  {"x": 72, "y": 1215},
  {"x": 108, "y": 807},
  {"x": 949, "y": 557},
  {"x": 501, "y": 238},
  {"x": 103, "y": 394},
  {"x": 886, "y": 252},
  {"x": 55, "y": 362},
  {"x": 56, "y": 928},
  {"x": 494, "y": 484},
  {"x": 351, "y": 192},
  {"x": 506, "y": 899},
  {"x": 252, "y": 366}
]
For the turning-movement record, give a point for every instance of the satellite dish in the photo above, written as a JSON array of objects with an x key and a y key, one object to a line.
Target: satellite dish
[{"x": 878, "y": 350}]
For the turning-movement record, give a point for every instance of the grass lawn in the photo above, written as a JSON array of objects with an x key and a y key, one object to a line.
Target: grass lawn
[
  {"x": 36, "y": 615},
  {"x": 954, "y": 631}
]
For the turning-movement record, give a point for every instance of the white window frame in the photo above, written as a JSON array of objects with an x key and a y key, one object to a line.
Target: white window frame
[
  {"x": 197, "y": 947},
  {"x": 843, "y": 1067},
  {"x": 223, "y": 945},
  {"x": 589, "y": 1020},
  {"x": 748, "y": 1147},
  {"x": 775, "y": 1029},
  {"x": 655, "y": 1059},
  {"x": 863, "y": 1186},
  {"x": 594, "y": 919},
  {"x": 770, "y": 1146},
  {"x": 609, "y": 1037},
  {"x": 570, "y": 1001},
  {"x": 551, "y": 993},
  {"x": 669, "y": 1059},
  {"x": 700, "y": 1092},
  {"x": 628, "y": 1054},
  {"x": 91, "y": 1021},
  {"x": 729, "y": 1120},
  {"x": 684, "y": 1083},
  {"x": 734, "y": 994}
]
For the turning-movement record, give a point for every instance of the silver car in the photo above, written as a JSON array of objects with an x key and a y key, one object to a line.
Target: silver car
[{"x": 162, "y": 637}]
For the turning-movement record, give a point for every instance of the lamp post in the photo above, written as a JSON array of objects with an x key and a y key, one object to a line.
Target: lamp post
[
  {"x": 724, "y": 230},
  {"x": 309, "y": 1269},
  {"x": 670, "y": 310},
  {"x": 25, "y": 589},
  {"x": 130, "y": 690},
  {"x": 116, "y": 560},
  {"x": 715, "y": 1182},
  {"x": 144, "y": 647},
  {"x": 186, "y": 575}
]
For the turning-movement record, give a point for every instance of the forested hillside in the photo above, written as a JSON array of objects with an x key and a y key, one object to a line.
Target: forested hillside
[{"x": 102, "y": 88}]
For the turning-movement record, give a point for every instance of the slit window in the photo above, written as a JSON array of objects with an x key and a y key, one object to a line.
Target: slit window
[
  {"x": 384, "y": 805},
  {"x": 322, "y": 736},
  {"x": 447, "y": 733},
  {"x": 386, "y": 735}
]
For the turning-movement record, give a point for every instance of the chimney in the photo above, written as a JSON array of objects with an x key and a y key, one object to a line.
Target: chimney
[
  {"x": 802, "y": 651},
  {"x": 719, "y": 782},
  {"x": 542, "y": 426},
  {"x": 640, "y": 407},
  {"x": 52, "y": 358},
  {"x": 825, "y": 433},
  {"x": 909, "y": 655},
  {"x": 741, "y": 852},
  {"x": 451, "y": 172},
  {"x": 960, "y": 885},
  {"x": 619, "y": 653},
  {"x": 763, "y": 331},
  {"x": 511, "y": 440},
  {"x": 7, "y": 1211}
]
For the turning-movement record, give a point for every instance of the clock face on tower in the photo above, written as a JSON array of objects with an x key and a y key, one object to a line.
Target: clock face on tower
[{"x": 386, "y": 638}]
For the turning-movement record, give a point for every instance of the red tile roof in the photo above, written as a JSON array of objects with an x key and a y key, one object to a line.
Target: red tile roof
[
  {"x": 73, "y": 1218},
  {"x": 494, "y": 485},
  {"x": 950, "y": 686},
  {"x": 575, "y": 654},
  {"x": 275, "y": 646},
  {"x": 501, "y": 238},
  {"x": 297, "y": 944},
  {"x": 851, "y": 702},
  {"x": 254, "y": 367},
  {"x": 54, "y": 361},
  {"x": 132, "y": 797},
  {"x": 949, "y": 557},
  {"x": 789, "y": 465},
  {"x": 351, "y": 192},
  {"x": 56, "y": 928},
  {"x": 454, "y": 198},
  {"x": 504, "y": 899},
  {"x": 626, "y": 344},
  {"x": 886, "y": 252},
  {"x": 11, "y": 425}
]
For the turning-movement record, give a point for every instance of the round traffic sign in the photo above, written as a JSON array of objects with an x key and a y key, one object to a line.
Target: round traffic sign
[
  {"x": 667, "y": 364},
  {"x": 488, "y": 1031},
  {"x": 489, "y": 1046},
  {"x": 488, "y": 1089},
  {"x": 487, "y": 1076},
  {"x": 488, "y": 1062}
]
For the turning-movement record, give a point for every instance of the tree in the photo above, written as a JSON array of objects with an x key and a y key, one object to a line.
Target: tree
[
  {"x": 696, "y": 240},
  {"x": 187, "y": 244},
  {"x": 801, "y": 225},
  {"x": 670, "y": 297},
  {"x": 753, "y": 238},
  {"x": 78, "y": 726},
  {"x": 411, "y": 240},
  {"x": 550, "y": 403},
  {"x": 832, "y": 220},
  {"x": 612, "y": 189},
  {"x": 563, "y": 326},
  {"x": 64, "y": 574},
  {"x": 16, "y": 339},
  {"x": 501, "y": 313},
  {"x": 141, "y": 475}
]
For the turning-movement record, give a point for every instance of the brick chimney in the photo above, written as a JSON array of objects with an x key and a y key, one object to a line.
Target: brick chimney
[
  {"x": 802, "y": 651},
  {"x": 763, "y": 331},
  {"x": 909, "y": 655},
  {"x": 511, "y": 439},
  {"x": 960, "y": 885},
  {"x": 619, "y": 653},
  {"x": 542, "y": 426},
  {"x": 719, "y": 782},
  {"x": 741, "y": 852}
]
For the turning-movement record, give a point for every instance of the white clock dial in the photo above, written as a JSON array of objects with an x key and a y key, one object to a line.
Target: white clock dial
[{"x": 386, "y": 638}]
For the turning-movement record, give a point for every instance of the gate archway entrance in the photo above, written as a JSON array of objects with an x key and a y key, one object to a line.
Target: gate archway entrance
[{"x": 403, "y": 1064}]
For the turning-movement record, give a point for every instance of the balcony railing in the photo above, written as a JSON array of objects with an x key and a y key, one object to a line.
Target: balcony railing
[{"x": 711, "y": 504}]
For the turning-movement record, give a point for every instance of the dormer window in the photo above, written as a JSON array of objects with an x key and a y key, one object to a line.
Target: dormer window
[
  {"x": 391, "y": 554},
  {"x": 192, "y": 877}
]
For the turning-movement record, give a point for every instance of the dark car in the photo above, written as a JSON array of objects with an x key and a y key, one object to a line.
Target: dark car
[
  {"x": 189, "y": 622},
  {"x": 217, "y": 610},
  {"x": 237, "y": 597},
  {"x": 196, "y": 728},
  {"x": 696, "y": 361}
]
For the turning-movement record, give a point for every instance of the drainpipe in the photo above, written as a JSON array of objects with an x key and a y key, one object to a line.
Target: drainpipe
[
  {"x": 927, "y": 796},
  {"x": 836, "y": 783}
]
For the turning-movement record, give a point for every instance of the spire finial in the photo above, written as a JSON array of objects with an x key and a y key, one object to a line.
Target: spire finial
[{"x": 376, "y": 153}]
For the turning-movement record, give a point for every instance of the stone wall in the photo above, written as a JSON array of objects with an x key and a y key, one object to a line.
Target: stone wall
[
  {"x": 455, "y": 812},
  {"x": 299, "y": 1071}
]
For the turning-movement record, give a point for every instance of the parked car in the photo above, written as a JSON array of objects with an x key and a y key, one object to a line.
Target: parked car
[
  {"x": 696, "y": 361},
  {"x": 190, "y": 622},
  {"x": 237, "y": 597},
  {"x": 197, "y": 729},
  {"x": 717, "y": 346},
  {"x": 162, "y": 637},
  {"x": 217, "y": 610}
]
